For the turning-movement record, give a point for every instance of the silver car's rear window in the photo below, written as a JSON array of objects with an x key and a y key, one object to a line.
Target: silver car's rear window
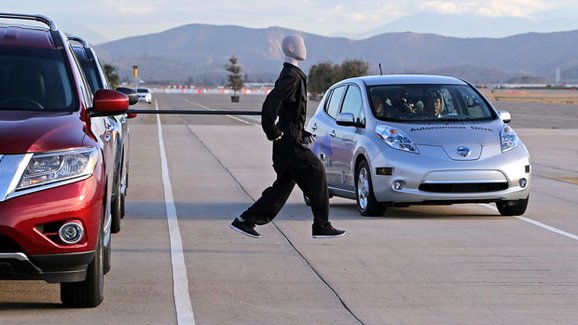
[
  {"x": 35, "y": 79},
  {"x": 427, "y": 103}
]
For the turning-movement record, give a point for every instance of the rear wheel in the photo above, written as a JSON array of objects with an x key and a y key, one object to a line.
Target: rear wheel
[
  {"x": 107, "y": 256},
  {"x": 366, "y": 202},
  {"x": 513, "y": 208},
  {"x": 123, "y": 187},
  {"x": 90, "y": 292}
]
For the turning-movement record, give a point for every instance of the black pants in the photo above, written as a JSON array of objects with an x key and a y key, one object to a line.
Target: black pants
[{"x": 293, "y": 164}]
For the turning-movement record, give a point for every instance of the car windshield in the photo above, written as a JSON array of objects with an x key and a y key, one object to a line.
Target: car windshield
[
  {"x": 142, "y": 90},
  {"x": 34, "y": 79},
  {"x": 428, "y": 103}
]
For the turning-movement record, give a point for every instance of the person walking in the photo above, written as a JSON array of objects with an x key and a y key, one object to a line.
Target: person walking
[{"x": 283, "y": 119}]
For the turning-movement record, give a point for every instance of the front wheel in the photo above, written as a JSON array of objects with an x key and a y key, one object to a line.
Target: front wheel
[
  {"x": 117, "y": 209},
  {"x": 513, "y": 208},
  {"x": 366, "y": 202},
  {"x": 90, "y": 292}
]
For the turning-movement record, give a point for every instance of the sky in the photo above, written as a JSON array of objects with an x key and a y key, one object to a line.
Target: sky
[{"x": 107, "y": 20}]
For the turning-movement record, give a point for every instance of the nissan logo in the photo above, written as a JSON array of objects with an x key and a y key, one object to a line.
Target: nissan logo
[{"x": 464, "y": 151}]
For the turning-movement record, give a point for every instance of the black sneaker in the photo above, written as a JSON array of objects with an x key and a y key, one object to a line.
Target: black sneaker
[
  {"x": 245, "y": 228},
  {"x": 327, "y": 232}
]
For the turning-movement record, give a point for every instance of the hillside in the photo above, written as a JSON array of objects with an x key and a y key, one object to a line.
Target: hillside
[{"x": 197, "y": 53}]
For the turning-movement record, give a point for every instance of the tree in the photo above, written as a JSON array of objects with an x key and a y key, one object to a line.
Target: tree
[
  {"x": 323, "y": 75},
  {"x": 235, "y": 75},
  {"x": 320, "y": 77},
  {"x": 353, "y": 68},
  {"x": 111, "y": 76}
]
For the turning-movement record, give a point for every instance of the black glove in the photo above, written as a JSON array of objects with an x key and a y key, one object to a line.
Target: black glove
[{"x": 308, "y": 137}]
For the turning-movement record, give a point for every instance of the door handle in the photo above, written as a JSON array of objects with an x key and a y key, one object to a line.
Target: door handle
[
  {"x": 332, "y": 134},
  {"x": 314, "y": 127}
]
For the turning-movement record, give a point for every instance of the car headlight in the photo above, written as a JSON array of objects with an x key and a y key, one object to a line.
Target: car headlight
[
  {"x": 508, "y": 138},
  {"x": 52, "y": 167},
  {"x": 395, "y": 138}
]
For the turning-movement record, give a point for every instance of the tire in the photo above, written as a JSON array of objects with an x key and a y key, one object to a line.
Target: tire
[
  {"x": 514, "y": 207},
  {"x": 116, "y": 214},
  {"x": 123, "y": 194},
  {"x": 126, "y": 179},
  {"x": 366, "y": 202},
  {"x": 116, "y": 210},
  {"x": 107, "y": 257},
  {"x": 90, "y": 292},
  {"x": 122, "y": 205}
]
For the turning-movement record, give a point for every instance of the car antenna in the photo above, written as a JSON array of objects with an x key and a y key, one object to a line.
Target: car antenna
[{"x": 380, "y": 72}]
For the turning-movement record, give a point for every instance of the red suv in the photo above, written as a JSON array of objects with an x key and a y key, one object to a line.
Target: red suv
[{"x": 56, "y": 163}]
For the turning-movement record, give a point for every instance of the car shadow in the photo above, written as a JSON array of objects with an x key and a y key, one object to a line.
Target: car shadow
[
  {"x": 299, "y": 211},
  {"x": 8, "y": 306}
]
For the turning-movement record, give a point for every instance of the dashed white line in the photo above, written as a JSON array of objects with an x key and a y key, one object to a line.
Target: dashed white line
[
  {"x": 539, "y": 224},
  {"x": 229, "y": 116},
  {"x": 550, "y": 228},
  {"x": 184, "y": 309}
]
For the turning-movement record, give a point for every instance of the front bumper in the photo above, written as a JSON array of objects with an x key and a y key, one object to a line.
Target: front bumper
[
  {"x": 53, "y": 268},
  {"x": 30, "y": 248},
  {"x": 431, "y": 177}
]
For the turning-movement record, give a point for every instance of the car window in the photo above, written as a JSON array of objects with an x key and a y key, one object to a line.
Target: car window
[
  {"x": 90, "y": 70},
  {"x": 428, "y": 103},
  {"x": 332, "y": 107},
  {"x": 142, "y": 90},
  {"x": 35, "y": 79},
  {"x": 353, "y": 103}
]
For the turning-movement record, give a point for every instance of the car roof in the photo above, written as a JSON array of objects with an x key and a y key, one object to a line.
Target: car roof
[
  {"x": 404, "y": 79},
  {"x": 16, "y": 30},
  {"x": 25, "y": 36}
]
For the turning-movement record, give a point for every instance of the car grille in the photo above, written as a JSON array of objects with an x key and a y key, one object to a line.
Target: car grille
[
  {"x": 7, "y": 245},
  {"x": 463, "y": 188}
]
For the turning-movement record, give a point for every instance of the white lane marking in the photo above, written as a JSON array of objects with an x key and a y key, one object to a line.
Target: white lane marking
[
  {"x": 539, "y": 224},
  {"x": 229, "y": 116},
  {"x": 552, "y": 229},
  {"x": 183, "y": 306}
]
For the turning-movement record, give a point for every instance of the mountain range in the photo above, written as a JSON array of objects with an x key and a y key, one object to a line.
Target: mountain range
[{"x": 197, "y": 53}]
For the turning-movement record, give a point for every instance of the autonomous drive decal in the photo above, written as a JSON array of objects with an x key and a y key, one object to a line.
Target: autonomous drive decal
[{"x": 449, "y": 127}]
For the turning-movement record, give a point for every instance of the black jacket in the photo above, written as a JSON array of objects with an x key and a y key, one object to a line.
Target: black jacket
[{"x": 288, "y": 101}]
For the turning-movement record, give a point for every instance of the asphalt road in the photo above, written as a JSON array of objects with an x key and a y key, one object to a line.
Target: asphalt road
[{"x": 176, "y": 258}]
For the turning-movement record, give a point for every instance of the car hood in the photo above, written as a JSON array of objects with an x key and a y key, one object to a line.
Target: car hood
[
  {"x": 460, "y": 141},
  {"x": 22, "y": 132}
]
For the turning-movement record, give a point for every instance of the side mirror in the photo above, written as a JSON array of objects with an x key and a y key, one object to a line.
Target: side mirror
[
  {"x": 505, "y": 116},
  {"x": 108, "y": 102},
  {"x": 345, "y": 119},
  {"x": 132, "y": 95}
]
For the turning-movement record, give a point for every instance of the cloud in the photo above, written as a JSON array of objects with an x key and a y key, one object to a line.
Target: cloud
[
  {"x": 131, "y": 8},
  {"x": 367, "y": 12},
  {"x": 489, "y": 8}
]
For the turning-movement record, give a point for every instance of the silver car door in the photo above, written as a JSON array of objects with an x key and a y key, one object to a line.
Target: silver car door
[{"x": 345, "y": 139}]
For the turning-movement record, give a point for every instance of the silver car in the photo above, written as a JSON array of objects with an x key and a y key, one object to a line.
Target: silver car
[{"x": 399, "y": 140}]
